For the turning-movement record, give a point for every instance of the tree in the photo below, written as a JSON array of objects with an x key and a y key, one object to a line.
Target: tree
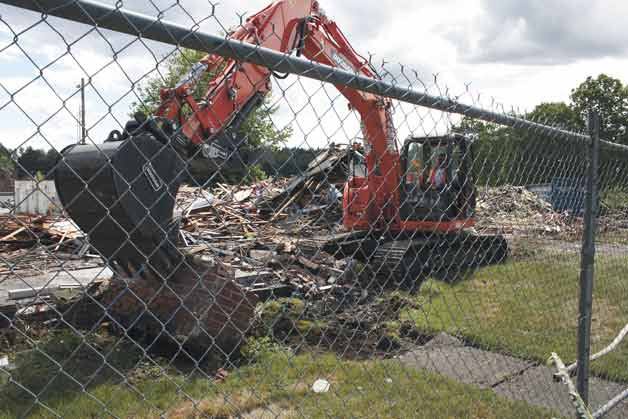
[
  {"x": 35, "y": 163},
  {"x": 609, "y": 97},
  {"x": 7, "y": 169},
  {"x": 516, "y": 156},
  {"x": 496, "y": 151},
  {"x": 177, "y": 65},
  {"x": 557, "y": 114},
  {"x": 6, "y": 161},
  {"x": 258, "y": 130},
  {"x": 506, "y": 155}
]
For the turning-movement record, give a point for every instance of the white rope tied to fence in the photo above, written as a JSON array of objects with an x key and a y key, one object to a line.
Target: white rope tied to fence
[
  {"x": 622, "y": 334},
  {"x": 564, "y": 373}
]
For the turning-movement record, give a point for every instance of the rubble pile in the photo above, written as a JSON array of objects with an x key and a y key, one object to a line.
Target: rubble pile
[
  {"x": 262, "y": 244},
  {"x": 364, "y": 327},
  {"x": 255, "y": 229},
  {"x": 323, "y": 178},
  {"x": 17, "y": 230},
  {"x": 515, "y": 210},
  {"x": 29, "y": 242},
  {"x": 250, "y": 231},
  {"x": 312, "y": 198},
  {"x": 263, "y": 248},
  {"x": 202, "y": 308}
]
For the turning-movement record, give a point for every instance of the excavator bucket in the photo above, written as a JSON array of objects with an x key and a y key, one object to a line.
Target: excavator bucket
[{"x": 122, "y": 195}]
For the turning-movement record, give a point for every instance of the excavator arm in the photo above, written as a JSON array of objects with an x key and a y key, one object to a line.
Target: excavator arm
[
  {"x": 122, "y": 193},
  {"x": 236, "y": 89}
]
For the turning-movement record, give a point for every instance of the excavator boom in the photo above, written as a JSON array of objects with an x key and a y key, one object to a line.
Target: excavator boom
[{"x": 122, "y": 193}]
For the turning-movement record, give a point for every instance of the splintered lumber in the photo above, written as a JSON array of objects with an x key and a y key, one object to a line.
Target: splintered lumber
[
  {"x": 23, "y": 230},
  {"x": 11, "y": 235},
  {"x": 233, "y": 214},
  {"x": 291, "y": 200}
]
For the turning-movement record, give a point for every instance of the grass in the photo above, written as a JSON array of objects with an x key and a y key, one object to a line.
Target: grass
[
  {"x": 275, "y": 380},
  {"x": 529, "y": 308},
  {"x": 614, "y": 199}
]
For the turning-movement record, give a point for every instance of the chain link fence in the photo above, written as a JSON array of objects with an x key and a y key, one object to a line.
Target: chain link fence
[{"x": 284, "y": 228}]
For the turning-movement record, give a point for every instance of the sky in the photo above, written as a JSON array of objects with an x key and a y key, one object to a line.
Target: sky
[{"x": 484, "y": 52}]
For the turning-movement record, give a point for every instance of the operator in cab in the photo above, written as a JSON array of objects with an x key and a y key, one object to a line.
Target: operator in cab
[{"x": 438, "y": 172}]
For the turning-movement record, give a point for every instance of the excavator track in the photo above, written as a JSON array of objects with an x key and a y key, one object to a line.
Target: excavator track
[
  {"x": 411, "y": 259},
  {"x": 446, "y": 257}
]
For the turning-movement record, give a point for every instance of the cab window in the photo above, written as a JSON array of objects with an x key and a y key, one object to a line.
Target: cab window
[{"x": 415, "y": 167}]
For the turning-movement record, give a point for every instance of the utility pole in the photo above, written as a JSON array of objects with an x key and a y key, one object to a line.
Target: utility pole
[{"x": 82, "y": 111}]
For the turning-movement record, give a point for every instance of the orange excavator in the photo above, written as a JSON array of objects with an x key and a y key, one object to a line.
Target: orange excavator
[{"x": 408, "y": 211}]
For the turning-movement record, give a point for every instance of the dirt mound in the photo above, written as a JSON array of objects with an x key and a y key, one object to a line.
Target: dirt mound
[
  {"x": 514, "y": 209},
  {"x": 512, "y": 200}
]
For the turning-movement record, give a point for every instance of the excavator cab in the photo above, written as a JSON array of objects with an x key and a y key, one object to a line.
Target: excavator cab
[{"x": 437, "y": 185}]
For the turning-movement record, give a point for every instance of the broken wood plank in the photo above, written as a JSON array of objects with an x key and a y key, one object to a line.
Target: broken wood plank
[
  {"x": 13, "y": 234},
  {"x": 291, "y": 200}
]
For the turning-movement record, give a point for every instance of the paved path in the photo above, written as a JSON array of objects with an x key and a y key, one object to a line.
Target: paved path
[{"x": 509, "y": 377}]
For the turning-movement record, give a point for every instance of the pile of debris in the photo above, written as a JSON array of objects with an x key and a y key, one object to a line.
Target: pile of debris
[
  {"x": 255, "y": 237},
  {"x": 255, "y": 229},
  {"x": 322, "y": 180},
  {"x": 250, "y": 231},
  {"x": 32, "y": 245},
  {"x": 43, "y": 258},
  {"x": 515, "y": 210},
  {"x": 19, "y": 231},
  {"x": 313, "y": 196}
]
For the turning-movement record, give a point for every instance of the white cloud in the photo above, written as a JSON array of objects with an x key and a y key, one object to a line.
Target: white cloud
[{"x": 544, "y": 32}]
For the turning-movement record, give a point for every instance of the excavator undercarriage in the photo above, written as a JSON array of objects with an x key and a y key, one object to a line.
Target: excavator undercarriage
[{"x": 406, "y": 260}]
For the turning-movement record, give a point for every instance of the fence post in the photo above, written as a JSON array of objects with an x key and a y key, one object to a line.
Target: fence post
[{"x": 588, "y": 258}]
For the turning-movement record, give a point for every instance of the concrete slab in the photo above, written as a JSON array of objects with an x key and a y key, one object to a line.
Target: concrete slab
[
  {"x": 555, "y": 394},
  {"x": 509, "y": 377},
  {"x": 466, "y": 364},
  {"x": 52, "y": 279}
]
